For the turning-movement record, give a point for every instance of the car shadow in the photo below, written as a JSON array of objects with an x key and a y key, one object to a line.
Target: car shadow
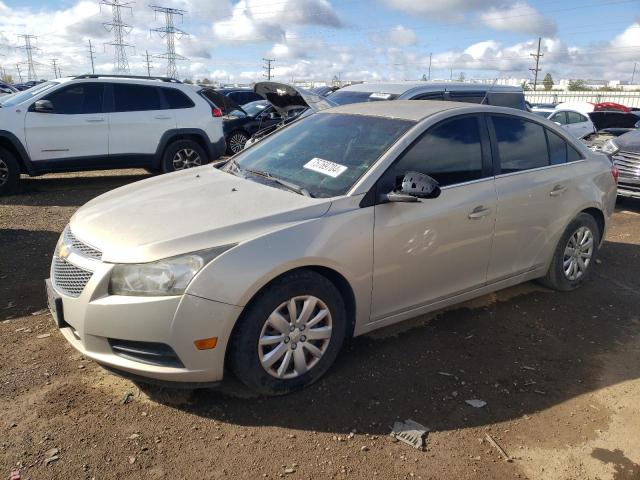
[
  {"x": 67, "y": 191},
  {"x": 521, "y": 350}
]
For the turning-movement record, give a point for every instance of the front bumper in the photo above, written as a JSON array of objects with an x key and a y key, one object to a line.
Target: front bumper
[
  {"x": 629, "y": 167},
  {"x": 94, "y": 321}
]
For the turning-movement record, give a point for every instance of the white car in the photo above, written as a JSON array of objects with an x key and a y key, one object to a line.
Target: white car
[
  {"x": 576, "y": 123},
  {"x": 92, "y": 122}
]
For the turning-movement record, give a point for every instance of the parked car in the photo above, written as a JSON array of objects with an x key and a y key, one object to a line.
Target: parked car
[
  {"x": 27, "y": 85},
  {"x": 6, "y": 89},
  {"x": 577, "y": 124},
  {"x": 625, "y": 151},
  {"x": 278, "y": 259},
  {"x": 241, "y": 123},
  {"x": 227, "y": 99},
  {"x": 498, "y": 95},
  {"x": 93, "y": 122},
  {"x": 323, "y": 91},
  {"x": 615, "y": 122}
]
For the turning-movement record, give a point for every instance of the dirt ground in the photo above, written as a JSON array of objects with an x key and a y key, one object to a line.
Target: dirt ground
[{"x": 560, "y": 374}]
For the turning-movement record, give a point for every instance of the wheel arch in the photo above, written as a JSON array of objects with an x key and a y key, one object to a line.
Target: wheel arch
[
  {"x": 598, "y": 216},
  {"x": 10, "y": 142},
  {"x": 176, "y": 135}
]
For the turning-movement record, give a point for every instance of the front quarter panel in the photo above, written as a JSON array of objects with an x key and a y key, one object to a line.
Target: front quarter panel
[{"x": 341, "y": 240}]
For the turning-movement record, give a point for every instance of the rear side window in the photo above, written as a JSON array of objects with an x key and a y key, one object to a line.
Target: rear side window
[
  {"x": 521, "y": 144},
  {"x": 136, "y": 98},
  {"x": 83, "y": 98},
  {"x": 575, "y": 117},
  {"x": 557, "y": 149},
  {"x": 450, "y": 152},
  {"x": 468, "y": 97},
  {"x": 506, "y": 99},
  {"x": 560, "y": 117},
  {"x": 177, "y": 99}
]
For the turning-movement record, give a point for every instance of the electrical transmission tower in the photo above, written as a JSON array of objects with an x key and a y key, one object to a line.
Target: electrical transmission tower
[
  {"x": 19, "y": 72},
  {"x": 170, "y": 32},
  {"x": 92, "y": 56},
  {"x": 148, "y": 62},
  {"x": 54, "y": 64},
  {"x": 120, "y": 30},
  {"x": 536, "y": 70},
  {"x": 267, "y": 67},
  {"x": 29, "y": 49}
]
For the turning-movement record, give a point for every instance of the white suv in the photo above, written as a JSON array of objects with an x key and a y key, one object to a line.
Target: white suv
[{"x": 95, "y": 122}]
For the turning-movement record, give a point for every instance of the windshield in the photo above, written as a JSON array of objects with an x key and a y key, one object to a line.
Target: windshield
[
  {"x": 18, "y": 98},
  {"x": 344, "y": 97},
  {"x": 254, "y": 108},
  {"x": 323, "y": 153}
]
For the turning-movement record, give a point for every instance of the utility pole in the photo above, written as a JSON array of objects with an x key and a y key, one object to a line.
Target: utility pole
[
  {"x": 429, "y": 76},
  {"x": 54, "y": 63},
  {"x": 267, "y": 67},
  {"x": 170, "y": 32},
  {"x": 19, "y": 72},
  {"x": 148, "y": 62},
  {"x": 633, "y": 75},
  {"x": 29, "y": 49},
  {"x": 120, "y": 30},
  {"x": 91, "y": 56},
  {"x": 536, "y": 70}
]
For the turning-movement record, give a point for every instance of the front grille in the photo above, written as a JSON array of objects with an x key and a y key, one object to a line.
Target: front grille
[
  {"x": 68, "y": 278},
  {"x": 628, "y": 164},
  {"x": 630, "y": 187},
  {"x": 146, "y": 352},
  {"x": 81, "y": 247}
]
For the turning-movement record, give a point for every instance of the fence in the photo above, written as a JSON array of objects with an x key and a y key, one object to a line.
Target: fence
[{"x": 630, "y": 99}]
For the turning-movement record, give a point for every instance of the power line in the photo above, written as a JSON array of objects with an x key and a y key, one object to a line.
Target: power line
[
  {"x": 148, "y": 62},
  {"x": 267, "y": 67},
  {"x": 170, "y": 32},
  {"x": 29, "y": 49},
  {"x": 536, "y": 70},
  {"x": 91, "y": 56},
  {"x": 119, "y": 30}
]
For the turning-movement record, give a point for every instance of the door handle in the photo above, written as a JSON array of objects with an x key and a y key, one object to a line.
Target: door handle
[
  {"x": 479, "y": 212},
  {"x": 162, "y": 117},
  {"x": 95, "y": 120},
  {"x": 558, "y": 190}
]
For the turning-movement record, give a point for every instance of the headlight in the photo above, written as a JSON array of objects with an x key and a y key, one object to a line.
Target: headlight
[
  {"x": 609, "y": 147},
  {"x": 165, "y": 277}
]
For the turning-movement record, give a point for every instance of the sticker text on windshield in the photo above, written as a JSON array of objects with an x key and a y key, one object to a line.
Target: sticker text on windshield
[{"x": 325, "y": 167}]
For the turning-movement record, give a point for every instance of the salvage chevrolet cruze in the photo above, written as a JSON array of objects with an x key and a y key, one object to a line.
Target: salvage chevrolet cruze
[{"x": 352, "y": 219}]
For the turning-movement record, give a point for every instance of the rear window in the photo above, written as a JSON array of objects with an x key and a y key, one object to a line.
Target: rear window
[
  {"x": 344, "y": 97},
  {"x": 522, "y": 144},
  {"x": 136, "y": 98},
  {"x": 177, "y": 99}
]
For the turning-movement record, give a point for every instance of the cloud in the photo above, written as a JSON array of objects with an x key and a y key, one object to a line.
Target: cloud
[
  {"x": 520, "y": 18},
  {"x": 441, "y": 9},
  {"x": 402, "y": 36}
]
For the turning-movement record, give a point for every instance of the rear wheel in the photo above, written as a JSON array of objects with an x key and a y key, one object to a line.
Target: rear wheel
[
  {"x": 9, "y": 172},
  {"x": 236, "y": 142},
  {"x": 574, "y": 255},
  {"x": 183, "y": 154},
  {"x": 290, "y": 335}
]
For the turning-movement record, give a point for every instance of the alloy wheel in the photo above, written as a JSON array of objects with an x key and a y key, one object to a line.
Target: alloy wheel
[
  {"x": 4, "y": 172},
  {"x": 578, "y": 253},
  {"x": 237, "y": 142},
  {"x": 295, "y": 337},
  {"x": 186, "y": 158}
]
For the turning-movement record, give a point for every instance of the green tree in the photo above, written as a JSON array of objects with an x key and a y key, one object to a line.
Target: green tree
[
  {"x": 577, "y": 85},
  {"x": 462, "y": 77},
  {"x": 206, "y": 81},
  {"x": 187, "y": 80},
  {"x": 7, "y": 78},
  {"x": 547, "y": 82},
  {"x": 525, "y": 86}
]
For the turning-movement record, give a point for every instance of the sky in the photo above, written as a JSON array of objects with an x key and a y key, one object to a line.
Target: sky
[{"x": 317, "y": 40}]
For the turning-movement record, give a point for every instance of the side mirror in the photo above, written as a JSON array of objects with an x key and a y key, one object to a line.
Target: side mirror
[
  {"x": 415, "y": 185},
  {"x": 558, "y": 123},
  {"x": 43, "y": 106}
]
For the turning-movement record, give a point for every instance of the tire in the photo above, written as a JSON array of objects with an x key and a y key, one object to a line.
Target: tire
[
  {"x": 236, "y": 142},
  {"x": 9, "y": 172},
  {"x": 183, "y": 154},
  {"x": 557, "y": 278},
  {"x": 248, "y": 358}
]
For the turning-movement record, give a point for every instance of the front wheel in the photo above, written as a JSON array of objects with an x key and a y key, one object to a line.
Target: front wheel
[
  {"x": 9, "y": 172},
  {"x": 290, "y": 335},
  {"x": 574, "y": 254},
  {"x": 183, "y": 154},
  {"x": 236, "y": 142}
]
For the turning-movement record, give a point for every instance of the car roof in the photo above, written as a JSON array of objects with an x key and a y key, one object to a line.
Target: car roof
[
  {"x": 398, "y": 88},
  {"x": 414, "y": 110}
]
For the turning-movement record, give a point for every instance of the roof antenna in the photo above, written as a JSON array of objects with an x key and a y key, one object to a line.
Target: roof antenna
[{"x": 484, "y": 99}]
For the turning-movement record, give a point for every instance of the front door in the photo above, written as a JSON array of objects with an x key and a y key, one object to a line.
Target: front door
[
  {"x": 77, "y": 127},
  {"x": 435, "y": 249}
]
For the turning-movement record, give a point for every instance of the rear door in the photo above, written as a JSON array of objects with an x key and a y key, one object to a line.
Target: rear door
[
  {"x": 77, "y": 127},
  {"x": 578, "y": 124},
  {"x": 537, "y": 193},
  {"x": 139, "y": 118},
  {"x": 439, "y": 247}
]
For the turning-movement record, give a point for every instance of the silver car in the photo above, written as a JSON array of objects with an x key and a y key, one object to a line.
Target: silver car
[{"x": 351, "y": 219}]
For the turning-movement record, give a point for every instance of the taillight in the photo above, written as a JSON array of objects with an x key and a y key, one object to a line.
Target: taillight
[
  {"x": 216, "y": 112},
  {"x": 615, "y": 172}
]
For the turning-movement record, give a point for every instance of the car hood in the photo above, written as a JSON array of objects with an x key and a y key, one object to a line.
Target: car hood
[
  {"x": 285, "y": 97},
  {"x": 184, "y": 212},
  {"x": 629, "y": 142}
]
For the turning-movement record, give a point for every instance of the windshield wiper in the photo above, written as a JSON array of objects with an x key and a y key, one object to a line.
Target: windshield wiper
[{"x": 289, "y": 185}]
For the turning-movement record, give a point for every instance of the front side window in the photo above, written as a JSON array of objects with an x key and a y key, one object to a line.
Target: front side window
[
  {"x": 21, "y": 97},
  {"x": 323, "y": 153},
  {"x": 560, "y": 117},
  {"x": 450, "y": 152},
  {"x": 79, "y": 99},
  {"x": 136, "y": 98},
  {"x": 522, "y": 144}
]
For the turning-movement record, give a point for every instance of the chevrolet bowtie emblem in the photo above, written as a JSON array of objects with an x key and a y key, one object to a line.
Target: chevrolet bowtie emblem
[{"x": 63, "y": 251}]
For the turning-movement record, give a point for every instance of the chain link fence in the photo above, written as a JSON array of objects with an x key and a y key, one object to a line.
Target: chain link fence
[{"x": 629, "y": 99}]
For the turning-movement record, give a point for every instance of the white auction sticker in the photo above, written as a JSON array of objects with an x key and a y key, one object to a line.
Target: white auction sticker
[{"x": 325, "y": 167}]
